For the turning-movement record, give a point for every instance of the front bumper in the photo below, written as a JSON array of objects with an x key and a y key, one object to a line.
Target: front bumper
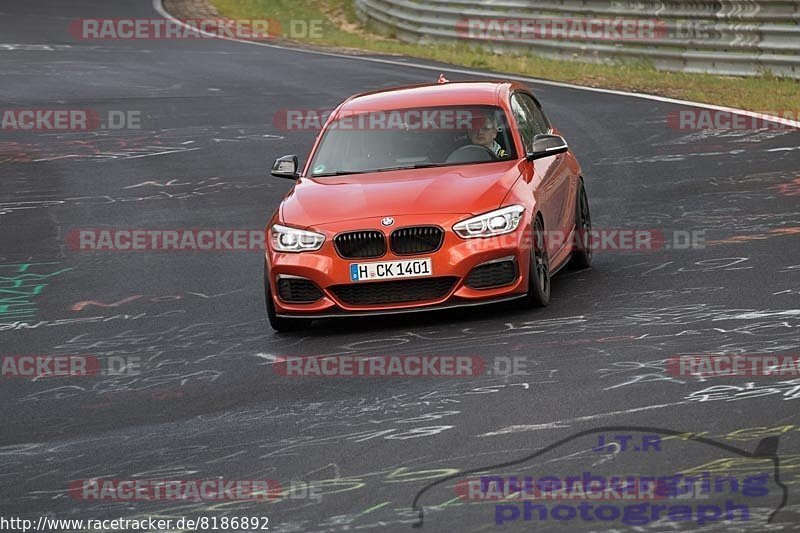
[{"x": 455, "y": 258}]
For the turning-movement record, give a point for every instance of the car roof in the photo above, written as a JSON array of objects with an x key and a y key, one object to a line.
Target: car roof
[{"x": 432, "y": 95}]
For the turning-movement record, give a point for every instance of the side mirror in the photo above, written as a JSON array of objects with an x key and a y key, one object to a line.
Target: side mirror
[
  {"x": 285, "y": 167},
  {"x": 546, "y": 145}
]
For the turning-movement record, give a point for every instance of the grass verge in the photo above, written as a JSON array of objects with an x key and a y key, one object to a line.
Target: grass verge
[{"x": 341, "y": 29}]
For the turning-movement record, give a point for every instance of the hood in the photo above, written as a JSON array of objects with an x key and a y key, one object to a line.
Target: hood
[{"x": 467, "y": 189}]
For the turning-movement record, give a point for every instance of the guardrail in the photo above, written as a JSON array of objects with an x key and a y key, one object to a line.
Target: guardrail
[{"x": 732, "y": 37}]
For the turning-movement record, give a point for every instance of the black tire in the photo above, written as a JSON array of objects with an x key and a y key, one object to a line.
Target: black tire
[
  {"x": 539, "y": 270},
  {"x": 582, "y": 253},
  {"x": 279, "y": 323}
]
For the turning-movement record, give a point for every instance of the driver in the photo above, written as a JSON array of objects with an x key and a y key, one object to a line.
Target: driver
[{"x": 483, "y": 133}]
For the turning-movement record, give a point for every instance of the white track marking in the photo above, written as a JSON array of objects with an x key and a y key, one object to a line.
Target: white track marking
[{"x": 564, "y": 423}]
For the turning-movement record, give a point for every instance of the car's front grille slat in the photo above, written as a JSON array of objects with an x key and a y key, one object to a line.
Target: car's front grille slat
[
  {"x": 394, "y": 292},
  {"x": 360, "y": 244},
  {"x": 416, "y": 240}
]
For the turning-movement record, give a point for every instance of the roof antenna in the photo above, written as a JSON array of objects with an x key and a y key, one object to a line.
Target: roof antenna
[{"x": 442, "y": 79}]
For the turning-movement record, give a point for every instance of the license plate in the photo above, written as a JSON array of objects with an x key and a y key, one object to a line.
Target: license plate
[{"x": 390, "y": 269}]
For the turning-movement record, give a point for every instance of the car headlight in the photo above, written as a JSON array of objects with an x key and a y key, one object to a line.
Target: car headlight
[
  {"x": 490, "y": 224},
  {"x": 294, "y": 240}
]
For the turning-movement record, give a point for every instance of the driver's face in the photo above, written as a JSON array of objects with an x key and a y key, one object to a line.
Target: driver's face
[{"x": 484, "y": 133}]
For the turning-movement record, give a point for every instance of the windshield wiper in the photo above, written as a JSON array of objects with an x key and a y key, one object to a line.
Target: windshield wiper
[
  {"x": 339, "y": 173},
  {"x": 407, "y": 167},
  {"x": 345, "y": 172}
]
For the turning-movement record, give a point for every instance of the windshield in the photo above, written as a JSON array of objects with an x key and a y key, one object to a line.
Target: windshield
[{"x": 413, "y": 138}]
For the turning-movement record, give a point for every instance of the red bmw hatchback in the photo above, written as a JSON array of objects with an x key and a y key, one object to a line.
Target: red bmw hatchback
[{"x": 425, "y": 197}]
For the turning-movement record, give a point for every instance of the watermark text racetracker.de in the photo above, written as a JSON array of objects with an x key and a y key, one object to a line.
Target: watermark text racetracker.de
[
  {"x": 63, "y": 366},
  {"x": 67, "y": 120},
  {"x": 193, "y": 29},
  {"x": 190, "y": 240},
  {"x": 603, "y": 240},
  {"x": 717, "y": 365},
  {"x": 696, "y": 119},
  {"x": 613, "y": 29},
  {"x": 226, "y": 239},
  {"x": 217, "y": 489},
  {"x": 591, "y": 497},
  {"x": 412, "y": 119},
  {"x": 398, "y": 366}
]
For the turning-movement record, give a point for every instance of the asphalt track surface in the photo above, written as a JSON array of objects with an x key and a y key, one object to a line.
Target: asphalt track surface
[{"x": 207, "y": 404}]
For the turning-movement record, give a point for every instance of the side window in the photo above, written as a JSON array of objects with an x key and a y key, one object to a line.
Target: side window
[
  {"x": 540, "y": 117},
  {"x": 524, "y": 120},
  {"x": 504, "y": 138},
  {"x": 535, "y": 111}
]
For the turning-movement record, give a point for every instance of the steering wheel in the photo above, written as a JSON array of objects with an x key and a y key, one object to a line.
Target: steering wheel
[{"x": 471, "y": 153}]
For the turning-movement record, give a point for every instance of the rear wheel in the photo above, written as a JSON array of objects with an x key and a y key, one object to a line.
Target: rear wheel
[
  {"x": 582, "y": 253},
  {"x": 539, "y": 270},
  {"x": 280, "y": 323}
]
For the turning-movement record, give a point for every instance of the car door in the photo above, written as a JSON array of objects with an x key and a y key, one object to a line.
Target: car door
[
  {"x": 564, "y": 193},
  {"x": 544, "y": 171}
]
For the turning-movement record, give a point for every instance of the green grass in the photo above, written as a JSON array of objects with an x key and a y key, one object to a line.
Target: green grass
[{"x": 341, "y": 29}]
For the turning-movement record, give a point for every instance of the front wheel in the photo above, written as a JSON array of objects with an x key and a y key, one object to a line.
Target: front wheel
[
  {"x": 279, "y": 323},
  {"x": 582, "y": 253},
  {"x": 539, "y": 270}
]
